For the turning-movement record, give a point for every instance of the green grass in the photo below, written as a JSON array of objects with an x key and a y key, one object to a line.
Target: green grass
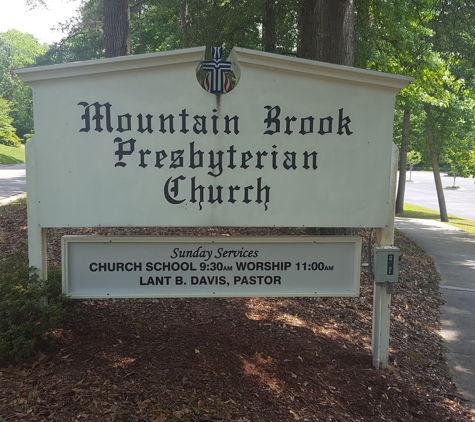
[
  {"x": 13, "y": 206},
  {"x": 413, "y": 211},
  {"x": 11, "y": 155}
]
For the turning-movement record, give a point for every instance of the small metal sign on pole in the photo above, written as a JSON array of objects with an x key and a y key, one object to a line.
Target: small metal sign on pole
[{"x": 137, "y": 142}]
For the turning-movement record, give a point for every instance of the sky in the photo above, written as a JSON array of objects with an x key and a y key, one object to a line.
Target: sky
[{"x": 14, "y": 14}]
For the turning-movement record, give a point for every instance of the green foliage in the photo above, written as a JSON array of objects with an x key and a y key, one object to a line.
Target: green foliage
[
  {"x": 24, "y": 317},
  {"x": 8, "y": 136},
  {"x": 462, "y": 162},
  {"x": 18, "y": 50},
  {"x": 422, "y": 40},
  {"x": 431, "y": 40},
  {"x": 27, "y": 137},
  {"x": 413, "y": 158},
  {"x": 83, "y": 38},
  {"x": 159, "y": 25}
]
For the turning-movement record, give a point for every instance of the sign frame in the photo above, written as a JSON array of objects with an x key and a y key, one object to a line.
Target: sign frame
[{"x": 51, "y": 207}]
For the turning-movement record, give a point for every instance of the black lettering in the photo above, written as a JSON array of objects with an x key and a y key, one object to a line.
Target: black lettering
[
  {"x": 261, "y": 189},
  {"x": 170, "y": 123},
  {"x": 306, "y": 155},
  {"x": 231, "y": 151},
  {"x": 218, "y": 164},
  {"x": 98, "y": 117},
  {"x": 245, "y": 157},
  {"x": 193, "y": 155},
  {"x": 200, "y": 125},
  {"x": 142, "y": 157},
  {"x": 235, "y": 120},
  {"x": 159, "y": 156},
  {"x": 173, "y": 190},
  {"x": 288, "y": 121},
  {"x": 219, "y": 198},
  {"x": 343, "y": 123},
  {"x": 329, "y": 121},
  {"x": 194, "y": 189},
  {"x": 121, "y": 151},
  {"x": 274, "y": 158},
  {"x": 310, "y": 120},
  {"x": 214, "y": 120},
  {"x": 177, "y": 159},
  {"x": 289, "y": 162},
  {"x": 183, "y": 116},
  {"x": 246, "y": 199},
  {"x": 272, "y": 120},
  {"x": 260, "y": 154},
  {"x": 231, "y": 193},
  {"x": 148, "y": 129},
  {"x": 128, "y": 122}
]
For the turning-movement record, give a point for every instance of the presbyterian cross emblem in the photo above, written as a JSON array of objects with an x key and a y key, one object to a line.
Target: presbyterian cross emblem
[{"x": 217, "y": 68}]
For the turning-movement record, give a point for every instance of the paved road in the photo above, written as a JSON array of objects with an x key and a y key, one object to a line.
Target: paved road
[
  {"x": 460, "y": 202},
  {"x": 12, "y": 182},
  {"x": 453, "y": 251}
]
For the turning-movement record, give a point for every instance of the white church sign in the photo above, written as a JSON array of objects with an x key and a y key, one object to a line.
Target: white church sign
[{"x": 136, "y": 141}]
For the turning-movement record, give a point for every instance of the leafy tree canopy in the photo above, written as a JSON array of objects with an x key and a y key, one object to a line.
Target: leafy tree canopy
[{"x": 18, "y": 50}]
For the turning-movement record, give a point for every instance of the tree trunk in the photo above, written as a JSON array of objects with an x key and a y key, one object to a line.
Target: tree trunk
[
  {"x": 308, "y": 30},
  {"x": 435, "y": 165},
  {"x": 268, "y": 26},
  {"x": 364, "y": 23},
  {"x": 117, "y": 27},
  {"x": 327, "y": 31},
  {"x": 336, "y": 31},
  {"x": 401, "y": 189},
  {"x": 327, "y": 34},
  {"x": 185, "y": 23}
]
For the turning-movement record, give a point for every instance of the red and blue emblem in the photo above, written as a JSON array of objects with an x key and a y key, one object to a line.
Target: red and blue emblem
[{"x": 216, "y": 82}]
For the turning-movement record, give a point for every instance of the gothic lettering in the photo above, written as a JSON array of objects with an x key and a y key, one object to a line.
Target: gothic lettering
[
  {"x": 286, "y": 154},
  {"x": 124, "y": 148},
  {"x": 98, "y": 117},
  {"x": 273, "y": 120}
]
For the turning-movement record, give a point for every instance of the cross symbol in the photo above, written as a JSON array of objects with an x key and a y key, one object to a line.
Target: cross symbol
[{"x": 217, "y": 68}]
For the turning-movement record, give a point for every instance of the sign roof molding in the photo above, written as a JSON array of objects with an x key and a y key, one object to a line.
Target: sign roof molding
[
  {"x": 113, "y": 64},
  {"x": 327, "y": 70},
  {"x": 239, "y": 57}
]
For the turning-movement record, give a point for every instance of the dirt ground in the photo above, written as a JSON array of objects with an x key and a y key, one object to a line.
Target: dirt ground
[{"x": 247, "y": 360}]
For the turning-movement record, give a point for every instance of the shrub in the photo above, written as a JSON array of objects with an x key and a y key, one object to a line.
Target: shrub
[
  {"x": 10, "y": 139},
  {"x": 27, "y": 137},
  {"x": 24, "y": 317}
]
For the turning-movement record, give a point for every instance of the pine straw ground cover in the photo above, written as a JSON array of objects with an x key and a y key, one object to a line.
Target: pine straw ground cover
[{"x": 250, "y": 359}]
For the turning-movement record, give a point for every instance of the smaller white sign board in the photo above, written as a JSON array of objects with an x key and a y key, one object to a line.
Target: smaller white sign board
[{"x": 140, "y": 267}]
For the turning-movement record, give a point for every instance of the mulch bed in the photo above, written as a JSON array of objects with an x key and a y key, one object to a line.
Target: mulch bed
[{"x": 247, "y": 360}]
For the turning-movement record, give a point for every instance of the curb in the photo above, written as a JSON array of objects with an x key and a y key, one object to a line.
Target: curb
[{"x": 6, "y": 201}]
